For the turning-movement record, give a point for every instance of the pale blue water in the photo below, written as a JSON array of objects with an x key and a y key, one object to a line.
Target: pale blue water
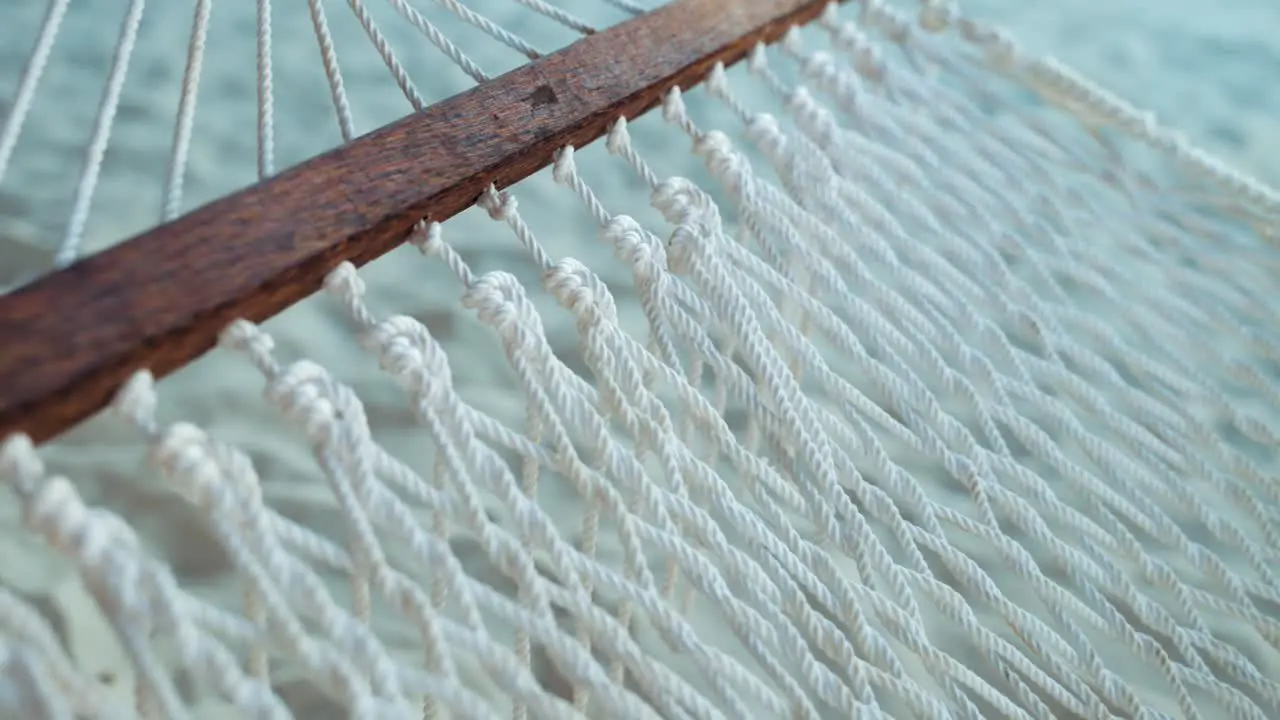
[{"x": 1208, "y": 68}]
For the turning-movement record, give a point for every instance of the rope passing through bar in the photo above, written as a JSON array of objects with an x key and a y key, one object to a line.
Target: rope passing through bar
[
  {"x": 767, "y": 359},
  {"x": 158, "y": 300}
]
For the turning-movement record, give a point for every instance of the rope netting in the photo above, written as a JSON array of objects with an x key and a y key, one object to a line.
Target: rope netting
[{"x": 935, "y": 382}]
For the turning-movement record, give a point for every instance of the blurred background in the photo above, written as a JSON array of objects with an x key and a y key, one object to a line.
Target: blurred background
[{"x": 1207, "y": 68}]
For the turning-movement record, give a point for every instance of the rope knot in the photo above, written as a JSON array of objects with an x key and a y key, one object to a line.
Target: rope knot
[
  {"x": 680, "y": 200},
  {"x": 637, "y": 248},
  {"x": 721, "y": 159},
  {"x": 582, "y": 292},
  {"x": 830, "y": 16},
  {"x": 499, "y": 205},
  {"x": 499, "y": 300},
  {"x": 246, "y": 337},
  {"x": 136, "y": 401},
  {"x": 407, "y": 351},
  {"x": 673, "y": 106},
  {"x": 564, "y": 169},
  {"x": 345, "y": 282},
  {"x": 301, "y": 393},
  {"x": 619, "y": 138},
  {"x": 183, "y": 456},
  {"x": 866, "y": 56},
  {"x": 57, "y": 512},
  {"x": 1001, "y": 50},
  {"x": 792, "y": 40},
  {"x": 758, "y": 60},
  {"x": 813, "y": 118},
  {"x": 20, "y": 464},
  {"x": 717, "y": 82},
  {"x": 878, "y": 13},
  {"x": 822, "y": 66},
  {"x": 938, "y": 15},
  {"x": 763, "y": 130},
  {"x": 695, "y": 215},
  {"x": 869, "y": 64},
  {"x": 427, "y": 237}
]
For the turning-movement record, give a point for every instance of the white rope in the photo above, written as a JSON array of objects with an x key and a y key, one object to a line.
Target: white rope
[
  {"x": 36, "y": 64},
  {"x": 333, "y": 73},
  {"x": 561, "y": 16},
  {"x": 910, "y": 403},
  {"x": 441, "y": 41},
  {"x": 490, "y": 28},
  {"x": 388, "y": 56},
  {"x": 186, "y": 111},
  {"x": 266, "y": 102},
  {"x": 69, "y": 250}
]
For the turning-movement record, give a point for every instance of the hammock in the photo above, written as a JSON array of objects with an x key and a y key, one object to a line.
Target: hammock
[{"x": 936, "y": 381}]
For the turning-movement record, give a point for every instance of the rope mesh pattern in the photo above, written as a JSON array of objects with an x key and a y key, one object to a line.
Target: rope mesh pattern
[{"x": 909, "y": 398}]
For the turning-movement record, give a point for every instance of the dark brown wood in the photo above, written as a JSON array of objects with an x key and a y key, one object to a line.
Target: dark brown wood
[{"x": 158, "y": 300}]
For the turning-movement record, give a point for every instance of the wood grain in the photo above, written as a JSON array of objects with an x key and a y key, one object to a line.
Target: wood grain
[{"x": 158, "y": 300}]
